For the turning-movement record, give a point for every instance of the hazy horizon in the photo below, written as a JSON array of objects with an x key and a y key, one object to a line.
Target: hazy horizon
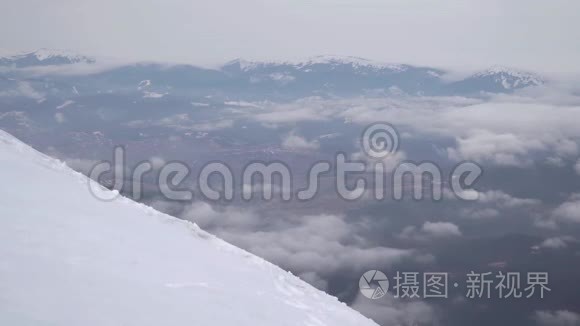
[{"x": 454, "y": 34}]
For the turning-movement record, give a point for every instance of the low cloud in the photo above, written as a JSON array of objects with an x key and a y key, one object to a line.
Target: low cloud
[
  {"x": 568, "y": 211},
  {"x": 293, "y": 141},
  {"x": 431, "y": 231},
  {"x": 76, "y": 69},
  {"x": 391, "y": 311},
  {"x": 495, "y": 203},
  {"x": 556, "y": 242},
  {"x": 482, "y": 130},
  {"x": 556, "y": 318},
  {"x": 500, "y": 149},
  {"x": 313, "y": 246},
  {"x": 24, "y": 89},
  {"x": 440, "y": 229},
  {"x": 183, "y": 122},
  {"x": 504, "y": 200}
]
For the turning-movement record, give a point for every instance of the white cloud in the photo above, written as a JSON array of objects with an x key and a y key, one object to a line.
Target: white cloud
[
  {"x": 557, "y": 318},
  {"x": 430, "y": 231},
  {"x": 157, "y": 162},
  {"x": 59, "y": 117},
  {"x": 23, "y": 89},
  {"x": 503, "y": 200},
  {"x": 440, "y": 229},
  {"x": 569, "y": 211},
  {"x": 313, "y": 245},
  {"x": 211, "y": 125},
  {"x": 27, "y": 90},
  {"x": 556, "y": 242},
  {"x": 478, "y": 214},
  {"x": 500, "y": 149},
  {"x": 555, "y": 161},
  {"x": 242, "y": 104},
  {"x": 288, "y": 114},
  {"x": 208, "y": 217},
  {"x": 21, "y": 118},
  {"x": 315, "y": 280},
  {"x": 566, "y": 148},
  {"x": 77, "y": 69},
  {"x": 494, "y": 203},
  {"x": 183, "y": 122},
  {"x": 65, "y": 104},
  {"x": 391, "y": 311},
  {"x": 293, "y": 141},
  {"x": 483, "y": 131},
  {"x": 82, "y": 165},
  {"x": 153, "y": 95}
]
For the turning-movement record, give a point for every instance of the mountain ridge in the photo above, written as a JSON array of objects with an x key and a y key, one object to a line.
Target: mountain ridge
[
  {"x": 326, "y": 75},
  {"x": 43, "y": 57},
  {"x": 70, "y": 57}
]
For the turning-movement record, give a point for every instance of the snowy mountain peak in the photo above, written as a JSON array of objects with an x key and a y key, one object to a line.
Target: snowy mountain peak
[
  {"x": 494, "y": 70},
  {"x": 43, "y": 57},
  {"x": 45, "y": 54},
  {"x": 350, "y": 60},
  {"x": 71, "y": 259},
  {"x": 331, "y": 60},
  {"x": 510, "y": 78}
]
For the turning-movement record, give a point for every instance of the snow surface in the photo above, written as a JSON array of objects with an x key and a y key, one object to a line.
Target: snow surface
[{"x": 67, "y": 258}]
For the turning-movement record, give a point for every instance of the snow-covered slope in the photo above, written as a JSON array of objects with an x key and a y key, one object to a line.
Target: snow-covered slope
[
  {"x": 510, "y": 78},
  {"x": 495, "y": 80},
  {"x": 67, "y": 258}
]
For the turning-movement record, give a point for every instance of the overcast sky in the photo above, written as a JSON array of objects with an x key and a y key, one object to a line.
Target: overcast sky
[{"x": 538, "y": 34}]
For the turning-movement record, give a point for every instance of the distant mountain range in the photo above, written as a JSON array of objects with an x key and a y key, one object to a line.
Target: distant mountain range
[
  {"x": 44, "y": 57},
  {"x": 318, "y": 76}
]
